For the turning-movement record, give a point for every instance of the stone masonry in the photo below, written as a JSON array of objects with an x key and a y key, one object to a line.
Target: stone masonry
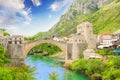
[{"x": 84, "y": 39}]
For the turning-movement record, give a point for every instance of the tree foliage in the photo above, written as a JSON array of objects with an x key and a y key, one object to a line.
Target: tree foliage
[
  {"x": 45, "y": 48},
  {"x": 97, "y": 69},
  {"x": 16, "y": 73},
  {"x": 53, "y": 76},
  {"x": 4, "y": 57},
  {"x": 13, "y": 73},
  {"x": 104, "y": 52}
]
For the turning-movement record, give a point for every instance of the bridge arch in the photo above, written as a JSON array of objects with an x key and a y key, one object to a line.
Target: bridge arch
[{"x": 29, "y": 46}]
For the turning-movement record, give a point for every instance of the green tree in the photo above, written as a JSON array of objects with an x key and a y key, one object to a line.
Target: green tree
[
  {"x": 6, "y": 34},
  {"x": 53, "y": 76},
  {"x": 13, "y": 73},
  {"x": 50, "y": 49}
]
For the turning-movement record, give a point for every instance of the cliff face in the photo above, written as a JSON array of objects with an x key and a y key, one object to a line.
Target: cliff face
[
  {"x": 84, "y": 7},
  {"x": 79, "y": 7}
]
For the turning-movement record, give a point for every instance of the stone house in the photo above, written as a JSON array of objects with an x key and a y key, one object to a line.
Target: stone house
[{"x": 16, "y": 39}]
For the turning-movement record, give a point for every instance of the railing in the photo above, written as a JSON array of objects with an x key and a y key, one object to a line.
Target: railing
[{"x": 44, "y": 40}]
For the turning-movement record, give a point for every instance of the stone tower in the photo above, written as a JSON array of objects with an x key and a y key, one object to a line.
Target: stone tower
[
  {"x": 84, "y": 39},
  {"x": 86, "y": 29},
  {"x": 16, "y": 48}
]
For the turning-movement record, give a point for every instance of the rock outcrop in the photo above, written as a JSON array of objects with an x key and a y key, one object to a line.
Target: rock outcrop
[{"x": 79, "y": 7}]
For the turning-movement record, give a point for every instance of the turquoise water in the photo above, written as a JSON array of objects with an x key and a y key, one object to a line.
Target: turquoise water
[{"x": 45, "y": 66}]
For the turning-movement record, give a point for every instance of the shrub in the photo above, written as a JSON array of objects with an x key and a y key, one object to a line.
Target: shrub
[
  {"x": 104, "y": 52},
  {"x": 53, "y": 76},
  {"x": 96, "y": 77},
  {"x": 112, "y": 74}
]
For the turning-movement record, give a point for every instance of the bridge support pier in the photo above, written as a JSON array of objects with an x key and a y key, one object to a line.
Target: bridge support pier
[
  {"x": 16, "y": 53},
  {"x": 74, "y": 50}
]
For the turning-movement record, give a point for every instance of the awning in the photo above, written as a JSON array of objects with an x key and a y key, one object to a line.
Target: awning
[{"x": 116, "y": 51}]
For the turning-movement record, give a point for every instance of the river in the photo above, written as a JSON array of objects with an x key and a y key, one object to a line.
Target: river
[{"x": 45, "y": 66}]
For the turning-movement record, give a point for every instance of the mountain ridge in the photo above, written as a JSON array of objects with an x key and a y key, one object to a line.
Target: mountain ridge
[{"x": 95, "y": 14}]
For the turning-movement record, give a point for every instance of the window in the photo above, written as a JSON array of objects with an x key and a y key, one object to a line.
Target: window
[
  {"x": 10, "y": 39},
  {"x": 15, "y": 42},
  {"x": 20, "y": 42},
  {"x": 10, "y": 42},
  {"x": 82, "y": 41}
]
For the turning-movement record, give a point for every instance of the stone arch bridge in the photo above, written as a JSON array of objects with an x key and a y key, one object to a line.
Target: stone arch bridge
[
  {"x": 19, "y": 52},
  {"x": 29, "y": 46}
]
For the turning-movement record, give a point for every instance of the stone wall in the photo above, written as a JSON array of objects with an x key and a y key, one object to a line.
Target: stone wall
[
  {"x": 86, "y": 29},
  {"x": 77, "y": 49},
  {"x": 29, "y": 46},
  {"x": 16, "y": 51},
  {"x": 74, "y": 50},
  {"x": 69, "y": 51}
]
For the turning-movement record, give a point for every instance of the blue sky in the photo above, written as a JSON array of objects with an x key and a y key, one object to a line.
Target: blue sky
[{"x": 28, "y": 17}]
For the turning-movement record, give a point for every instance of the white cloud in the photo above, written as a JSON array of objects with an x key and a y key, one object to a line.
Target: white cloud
[
  {"x": 12, "y": 28},
  {"x": 54, "y": 6},
  {"x": 12, "y": 11},
  {"x": 59, "y": 4},
  {"x": 0, "y": 21},
  {"x": 36, "y": 2},
  {"x": 26, "y": 23},
  {"x": 19, "y": 30}
]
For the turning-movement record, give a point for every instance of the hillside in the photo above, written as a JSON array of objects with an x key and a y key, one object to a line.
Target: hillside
[
  {"x": 106, "y": 19},
  {"x": 103, "y": 14}
]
